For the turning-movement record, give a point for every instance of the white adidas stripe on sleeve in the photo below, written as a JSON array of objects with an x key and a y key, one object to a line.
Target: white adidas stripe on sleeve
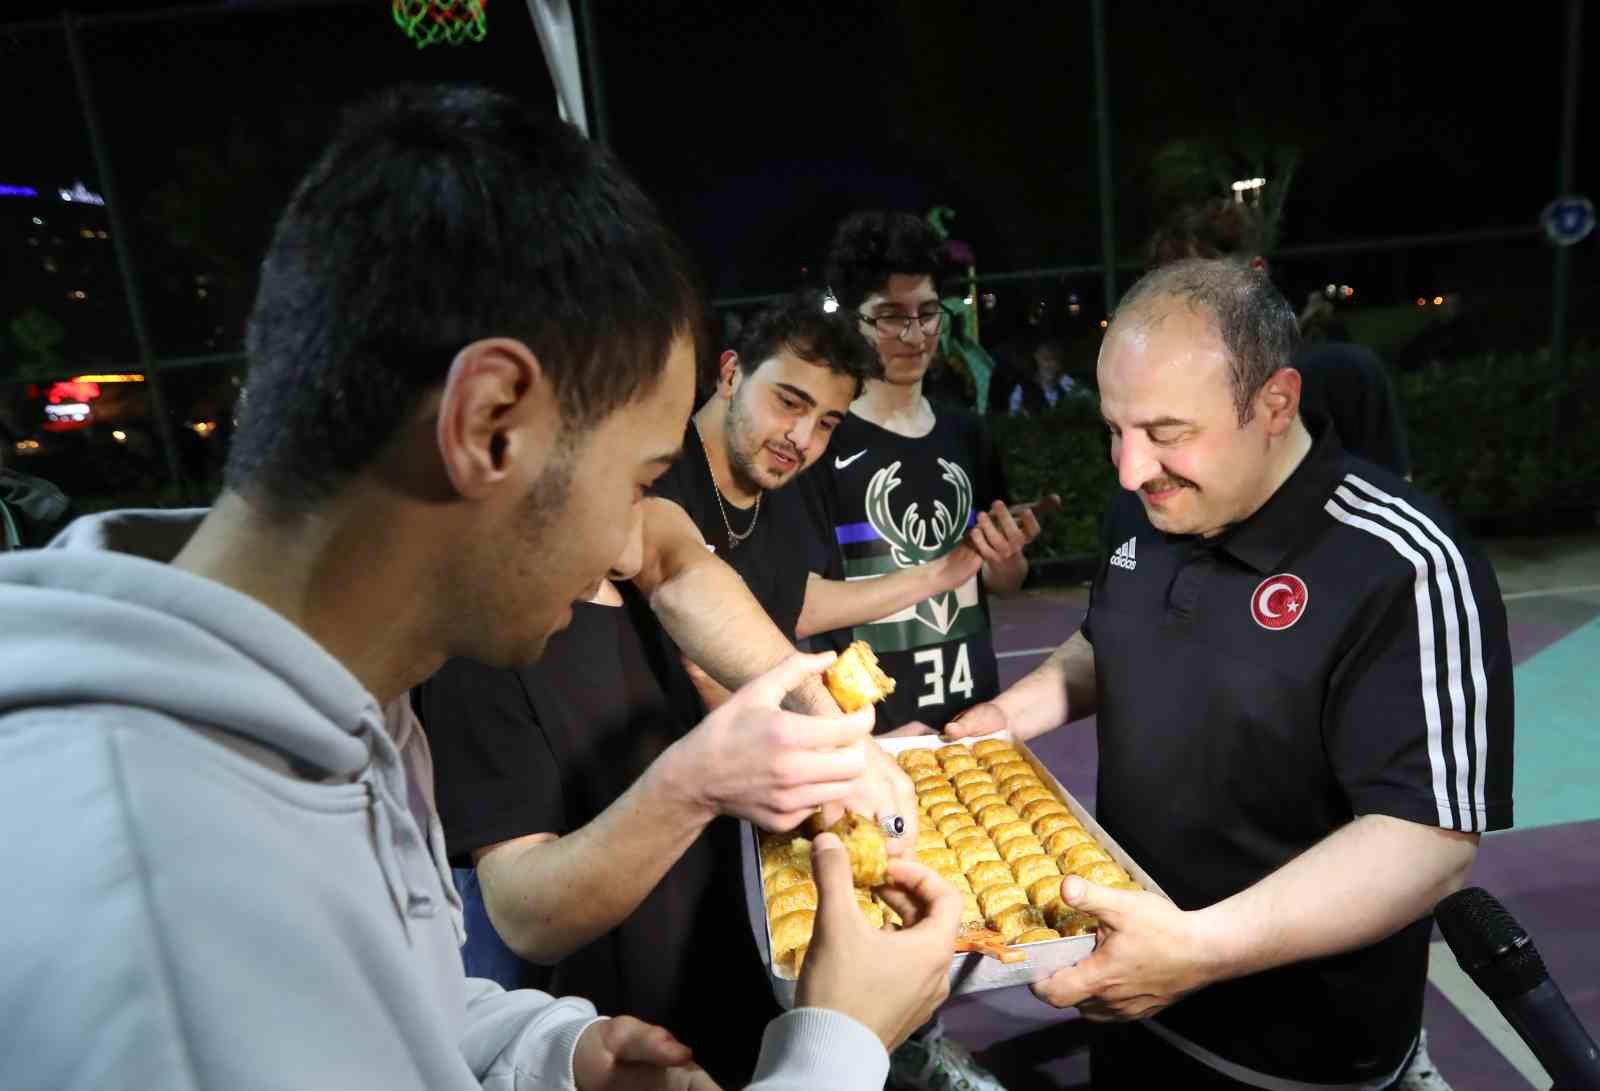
[
  {"x": 1448, "y": 580},
  {"x": 1469, "y": 607}
]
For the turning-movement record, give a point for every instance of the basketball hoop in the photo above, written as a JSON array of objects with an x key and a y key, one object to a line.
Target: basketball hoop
[{"x": 451, "y": 21}]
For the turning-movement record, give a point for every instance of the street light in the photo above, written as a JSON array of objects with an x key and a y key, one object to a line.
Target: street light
[{"x": 1248, "y": 190}]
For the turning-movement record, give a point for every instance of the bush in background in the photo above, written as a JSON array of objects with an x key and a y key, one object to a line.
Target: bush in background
[
  {"x": 1478, "y": 428},
  {"x": 1064, "y": 451}
]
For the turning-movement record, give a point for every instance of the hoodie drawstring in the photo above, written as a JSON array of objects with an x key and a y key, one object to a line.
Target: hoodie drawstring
[{"x": 403, "y": 854}]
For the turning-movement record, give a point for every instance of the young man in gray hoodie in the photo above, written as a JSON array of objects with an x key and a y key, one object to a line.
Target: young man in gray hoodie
[{"x": 470, "y": 354}]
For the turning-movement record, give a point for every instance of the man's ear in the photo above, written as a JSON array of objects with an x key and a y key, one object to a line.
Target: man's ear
[
  {"x": 727, "y": 373},
  {"x": 498, "y": 410},
  {"x": 1279, "y": 400}
]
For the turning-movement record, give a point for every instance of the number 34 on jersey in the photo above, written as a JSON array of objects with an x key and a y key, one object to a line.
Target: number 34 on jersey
[{"x": 936, "y": 685}]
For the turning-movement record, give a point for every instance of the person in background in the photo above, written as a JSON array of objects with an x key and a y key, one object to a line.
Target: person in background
[{"x": 1046, "y": 385}]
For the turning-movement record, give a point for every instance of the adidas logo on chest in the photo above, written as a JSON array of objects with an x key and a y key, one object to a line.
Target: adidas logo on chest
[{"x": 1124, "y": 557}]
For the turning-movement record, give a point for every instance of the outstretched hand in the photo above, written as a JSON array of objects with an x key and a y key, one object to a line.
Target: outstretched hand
[
  {"x": 882, "y": 789},
  {"x": 984, "y": 718}
]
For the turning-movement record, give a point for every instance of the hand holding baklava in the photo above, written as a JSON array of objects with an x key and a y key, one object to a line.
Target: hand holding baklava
[
  {"x": 752, "y": 759},
  {"x": 884, "y": 792},
  {"x": 891, "y": 981},
  {"x": 1150, "y": 955}
]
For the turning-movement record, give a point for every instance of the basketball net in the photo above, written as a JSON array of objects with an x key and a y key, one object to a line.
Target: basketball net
[{"x": 450, "y": 21}]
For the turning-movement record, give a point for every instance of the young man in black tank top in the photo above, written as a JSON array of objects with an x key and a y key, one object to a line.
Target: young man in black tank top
[{"x": 780, "y": 395}]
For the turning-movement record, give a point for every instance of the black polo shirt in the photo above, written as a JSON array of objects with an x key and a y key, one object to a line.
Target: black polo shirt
[{"x": 1341, "y": 652}]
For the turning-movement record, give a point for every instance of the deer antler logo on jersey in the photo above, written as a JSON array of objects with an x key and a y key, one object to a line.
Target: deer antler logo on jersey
[{"x": 914, "y": 540}]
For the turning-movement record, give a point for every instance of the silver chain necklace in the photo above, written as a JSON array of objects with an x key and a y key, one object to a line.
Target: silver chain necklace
[{"x": 733, "y": 538}]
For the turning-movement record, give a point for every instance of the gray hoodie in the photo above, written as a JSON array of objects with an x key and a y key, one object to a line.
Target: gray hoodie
[{"x": 225, "y": 880}]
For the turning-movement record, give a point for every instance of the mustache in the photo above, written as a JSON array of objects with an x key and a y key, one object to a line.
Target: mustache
[
  {"x": 1171, "y": 481},
  {"x": 790, "y": 452}
]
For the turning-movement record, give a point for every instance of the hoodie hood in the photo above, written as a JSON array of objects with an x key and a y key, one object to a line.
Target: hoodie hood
[{"x": 100, "y": 616}]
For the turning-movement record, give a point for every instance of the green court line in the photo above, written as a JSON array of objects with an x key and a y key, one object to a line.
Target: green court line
[{"x": 1558, "y": 732}]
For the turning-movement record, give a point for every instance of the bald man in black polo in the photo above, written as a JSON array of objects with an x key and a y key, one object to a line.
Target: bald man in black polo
[{"x": 1303, "y": 685}]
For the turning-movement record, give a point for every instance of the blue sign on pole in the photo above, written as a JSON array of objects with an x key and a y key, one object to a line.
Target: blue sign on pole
[{"x": 1567, "y": 220}]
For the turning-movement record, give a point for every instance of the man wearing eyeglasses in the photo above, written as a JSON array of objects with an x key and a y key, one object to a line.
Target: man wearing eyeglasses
[
  {"x": 904, "y": 485},
  {"x": 905, "y": 482}
]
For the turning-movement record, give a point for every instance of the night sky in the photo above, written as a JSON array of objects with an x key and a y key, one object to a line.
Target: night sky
[{"x": 757, "y": 125}]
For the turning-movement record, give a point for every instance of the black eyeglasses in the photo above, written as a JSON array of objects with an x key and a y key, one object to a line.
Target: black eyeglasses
[{"x": 898, "y": 325}]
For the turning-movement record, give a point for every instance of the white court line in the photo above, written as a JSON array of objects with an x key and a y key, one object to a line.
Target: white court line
[
  {"x": 1026, "y": 651},
  {"x": 1576, "y": 589},
  {"x": 1450, "y": 979}
]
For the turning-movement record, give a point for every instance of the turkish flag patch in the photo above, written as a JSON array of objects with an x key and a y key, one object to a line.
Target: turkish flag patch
[{"x": 1279, "y": 601}]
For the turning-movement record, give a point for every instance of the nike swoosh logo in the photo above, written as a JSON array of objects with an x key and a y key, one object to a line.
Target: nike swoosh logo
[{"x": 841, "y": 463}]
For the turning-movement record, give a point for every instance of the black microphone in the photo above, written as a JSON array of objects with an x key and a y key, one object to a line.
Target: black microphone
[{"x": 1497, "y": 954}]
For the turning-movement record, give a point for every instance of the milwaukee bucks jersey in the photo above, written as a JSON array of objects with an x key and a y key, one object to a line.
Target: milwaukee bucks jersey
[{"x": 896, "y": 502}]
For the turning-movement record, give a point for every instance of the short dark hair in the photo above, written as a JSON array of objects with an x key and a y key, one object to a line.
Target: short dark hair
[
  {"x": 870, "y": 247},
  {"x": 438, "y": 216},
  {"x": 1219, "y": 228},
  {"x": 1255, "y": 322},
  {"x": 798, "y": 324}
]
